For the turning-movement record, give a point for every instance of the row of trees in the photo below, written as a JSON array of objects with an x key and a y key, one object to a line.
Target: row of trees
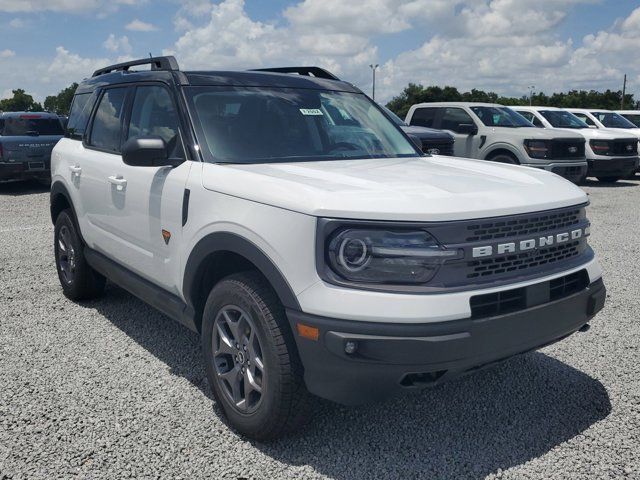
[
  {"x": 21, "y": 101},
  {"x": 609, "y": 100},
  {"x": 413, "y": 94}
]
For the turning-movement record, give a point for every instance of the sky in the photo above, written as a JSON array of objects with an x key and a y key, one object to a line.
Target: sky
[{"x": 504, "y": 46}]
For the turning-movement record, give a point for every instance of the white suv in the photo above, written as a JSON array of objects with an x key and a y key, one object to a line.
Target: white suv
[
  {"x": 289, "y": 221},
  {"x": 611, "y": 154},
  {"x": 494, "y": 132}
]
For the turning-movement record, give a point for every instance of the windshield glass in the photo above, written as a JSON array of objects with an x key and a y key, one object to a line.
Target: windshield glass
[
  {"x": 258, "y": 124},
  {"x": 613, "y": 120},
  {"x": 633, "y": 118},
  {"x": 561, "y": 119},
  {"x": 501, "y": 117},
  {"x": 25, "y": 125}
]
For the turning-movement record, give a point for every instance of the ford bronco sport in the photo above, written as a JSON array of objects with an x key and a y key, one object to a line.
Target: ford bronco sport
[
  {"x": 26, "y": 142},
  {"x": 494, "y": 132},
  {"x": 283, "y": 216}
]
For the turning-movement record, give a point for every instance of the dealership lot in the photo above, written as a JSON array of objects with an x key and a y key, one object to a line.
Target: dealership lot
[{"x": 113, "y": 389}]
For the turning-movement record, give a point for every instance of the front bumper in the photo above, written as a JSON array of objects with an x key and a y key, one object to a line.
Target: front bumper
[
  {"x": 391, "y": 357},
  {"x": 571, "y": 170},
  {"x": 612, "y": 167},
  {"x": 39, "y": 170}
]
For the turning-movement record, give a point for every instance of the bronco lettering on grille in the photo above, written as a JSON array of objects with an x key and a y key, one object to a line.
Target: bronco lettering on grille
[{"x": 530, "y": 243}]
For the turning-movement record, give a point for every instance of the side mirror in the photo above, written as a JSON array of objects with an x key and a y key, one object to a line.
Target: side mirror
[
  {"x": 147, "y": 152},
  {"x": 467, "y": 129}
]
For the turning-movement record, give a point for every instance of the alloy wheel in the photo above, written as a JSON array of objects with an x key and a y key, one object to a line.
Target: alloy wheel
[
  {"x": 238, "y": 359},
  {"x": 66, "y": 254}
]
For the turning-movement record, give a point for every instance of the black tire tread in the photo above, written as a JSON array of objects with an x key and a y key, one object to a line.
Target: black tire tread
[{"x": 292, "y": 410}]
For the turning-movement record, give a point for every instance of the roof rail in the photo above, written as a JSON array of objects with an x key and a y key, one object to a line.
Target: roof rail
[
  {"x": 157, "y": 63},
  {"x": 306, "y": 71}
]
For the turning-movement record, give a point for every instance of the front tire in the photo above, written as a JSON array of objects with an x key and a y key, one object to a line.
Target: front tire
[
  {"x": 504, "y": 158},
  {"x": 251, "y": 359},
  {"x": 78, "y": 280}
]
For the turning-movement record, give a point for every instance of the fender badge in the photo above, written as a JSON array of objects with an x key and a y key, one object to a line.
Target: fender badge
[{"x": 166, "y": 234}]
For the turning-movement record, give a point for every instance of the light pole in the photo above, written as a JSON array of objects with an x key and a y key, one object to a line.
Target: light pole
[
  {"x": 531, "y": 87},
  {"x": 373, "y": 69}
]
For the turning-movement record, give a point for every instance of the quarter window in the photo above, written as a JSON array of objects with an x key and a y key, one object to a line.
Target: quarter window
[
  {"x": 154, "y": 115},
  {"x": 424, "y": 117},
  {"x": 79, "y": 115},
  {"x": 453, "y": 118},
  {"x": 107, "y": 128},
  {"x": 585, "y": 119}
]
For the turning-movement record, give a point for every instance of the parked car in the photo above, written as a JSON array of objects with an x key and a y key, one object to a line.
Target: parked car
[
  {"x": 494, "y": 132},
  {"x": 282, "y": 216},
  {"x": 26, "y": 142},
  {"x": 632, "y": 115},
  {"x": 434, "y": 142},
  {"x": 611, "y": 155}
]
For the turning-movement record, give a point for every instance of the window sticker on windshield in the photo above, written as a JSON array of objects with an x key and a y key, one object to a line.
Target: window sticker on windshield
[{"x": 311, "y": 111}]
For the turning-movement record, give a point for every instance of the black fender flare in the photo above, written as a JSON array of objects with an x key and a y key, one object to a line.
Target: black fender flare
[
  {"x": 59, "y": 189},
  {"x": 231, "y": 242}
]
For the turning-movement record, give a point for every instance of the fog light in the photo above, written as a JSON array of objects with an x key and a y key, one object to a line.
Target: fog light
[{"x": 350, "y": 347}]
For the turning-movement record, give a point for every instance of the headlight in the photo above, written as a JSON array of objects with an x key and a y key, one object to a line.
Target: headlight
[
  {"x": 378, "y": 256},
  {"x": 538, "y": 148},
  {"x": 600, "y": 147}
]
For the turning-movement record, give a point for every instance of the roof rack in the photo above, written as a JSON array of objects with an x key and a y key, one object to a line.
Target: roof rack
[
  {"x": 306, "y": 71},
  {"x": 157, "y": 63}
]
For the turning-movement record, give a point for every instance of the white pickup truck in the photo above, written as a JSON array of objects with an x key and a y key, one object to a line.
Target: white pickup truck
[
  {"x": 611, "y": 154},
  {"x": 494, "y": 132}
]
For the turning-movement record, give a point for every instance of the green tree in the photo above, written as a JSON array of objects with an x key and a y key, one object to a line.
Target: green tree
[
  {"x": 61, "y": 103},
  {"x": 20, "y": 102}
]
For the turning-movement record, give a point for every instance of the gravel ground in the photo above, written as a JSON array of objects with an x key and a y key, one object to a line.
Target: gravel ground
[{"x": 113, "y": 389}]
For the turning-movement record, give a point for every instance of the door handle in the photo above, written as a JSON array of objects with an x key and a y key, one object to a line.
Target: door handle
[
  {"x": 75, "y": 170},
  {"x": 118, "y": 181}
]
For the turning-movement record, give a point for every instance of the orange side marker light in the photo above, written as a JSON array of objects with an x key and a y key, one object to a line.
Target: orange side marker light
[{"x": 311, "y": 333}]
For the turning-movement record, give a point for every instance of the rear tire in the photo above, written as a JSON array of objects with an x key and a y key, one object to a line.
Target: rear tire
[
  {"x": 251, "y": 358},
  {"x": 609, "y": 179},
  {"x": 78, "y": 280}
]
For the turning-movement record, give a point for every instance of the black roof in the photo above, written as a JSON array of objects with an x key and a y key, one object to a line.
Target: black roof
[{"x": 165, "y": 69}]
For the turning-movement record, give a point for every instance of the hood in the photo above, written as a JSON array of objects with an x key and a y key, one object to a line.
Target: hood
[
  {"x": 599, "y": 134},
  {"x": 536, "y": 133},
  {"x": 410, "y": 189},
  {"x": 621, "y": 132},
  {"x": 425, "y": 133}
]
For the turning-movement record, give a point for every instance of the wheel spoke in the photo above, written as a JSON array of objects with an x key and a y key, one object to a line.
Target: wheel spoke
[
  {"x": 225, "y": 345},
  {"x": 233, "y": 378},
  {"x": 233, "y": 326},
  {"x": 250, "y": 383}
]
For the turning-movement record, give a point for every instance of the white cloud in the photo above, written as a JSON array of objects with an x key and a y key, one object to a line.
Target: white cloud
[
  {"x": 140, "y": 26},
  {"x": 17, "y": 23},
  {"x": 7, "y": 53},
  {"x": 117, "y": 44}
]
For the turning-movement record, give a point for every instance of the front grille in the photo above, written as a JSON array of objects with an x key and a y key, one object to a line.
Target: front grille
[
  {"x": 524, "y": 226},
  {"x": 624, "y": 147},
  {"x": 567, "y": 148},
  {"x": 510, "y": 301},
  {"x": 443, "y": 148},
  {"x": 522, "y": 261}
]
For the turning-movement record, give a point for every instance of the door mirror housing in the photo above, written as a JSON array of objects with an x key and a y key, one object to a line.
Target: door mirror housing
[
  {"x": 467, "y": 129},
  {"x": 147, "y": 152}
]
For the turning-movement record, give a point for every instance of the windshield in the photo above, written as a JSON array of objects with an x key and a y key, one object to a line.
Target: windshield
[
  {"x": 501, "y": 117},
  {"x": 633, "y": 118},
  {"x": 258, "y": 124},
  {"x": 25, "y": 125},
  {"x": 562, "y": 119},
  {"x": 613, "y": 120},
  {"x": 396, "y": 119}
]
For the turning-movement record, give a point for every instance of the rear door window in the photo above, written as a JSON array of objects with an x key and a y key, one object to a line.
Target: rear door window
[
  {"x": 79, "y": 116},
  {"x": 424, "y": 117},
  {"x": 106, "y": 131}
]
